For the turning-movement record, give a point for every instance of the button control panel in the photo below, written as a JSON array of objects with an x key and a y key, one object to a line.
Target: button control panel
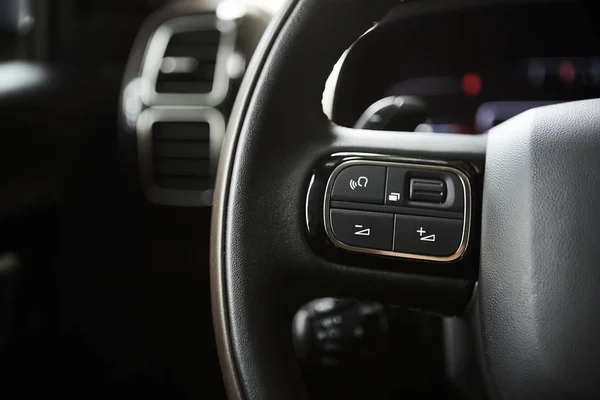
[{"x": 399, "y": 209}]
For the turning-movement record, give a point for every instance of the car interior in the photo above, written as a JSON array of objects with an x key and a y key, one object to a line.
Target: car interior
[{"x": 302, "y": 199}]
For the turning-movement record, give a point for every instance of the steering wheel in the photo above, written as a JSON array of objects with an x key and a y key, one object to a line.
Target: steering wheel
[{"x": 531, "y": 265}]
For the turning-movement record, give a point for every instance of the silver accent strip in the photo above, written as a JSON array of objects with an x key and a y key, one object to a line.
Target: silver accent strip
[
  {"x": 155, "y": 52},
  {"x": 401, "y": 162},
  {"x": 174, "y": 197}
]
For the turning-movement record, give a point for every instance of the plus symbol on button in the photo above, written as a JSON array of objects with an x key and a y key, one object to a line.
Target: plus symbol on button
[{"x": 421, "y": 232}]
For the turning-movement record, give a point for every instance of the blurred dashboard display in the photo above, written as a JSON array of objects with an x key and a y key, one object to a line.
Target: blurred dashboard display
[
  {"x": 477, "y": 97},
  {"x": 473, "y": 66}
]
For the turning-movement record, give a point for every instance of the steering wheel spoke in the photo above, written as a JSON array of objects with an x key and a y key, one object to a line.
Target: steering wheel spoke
[{"x": 417, "y": 145}]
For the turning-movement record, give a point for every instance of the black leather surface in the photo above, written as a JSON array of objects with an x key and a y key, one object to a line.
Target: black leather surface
[
  {"x": 265, "y": 233},
  {"x": 540, "y": 274}
]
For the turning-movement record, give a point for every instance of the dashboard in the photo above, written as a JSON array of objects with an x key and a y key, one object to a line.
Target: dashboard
[{"x": 471, "y": 66}]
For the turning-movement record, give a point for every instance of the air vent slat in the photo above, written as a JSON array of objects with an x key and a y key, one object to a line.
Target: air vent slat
[
  {"x": 202, "y": 73},
  {"x": 204, "y": 53},
  {"x": 182, "y": 149},
  {"x": 184, "y": 183},
  {"x": 181, "y": 131},
  {"x": 189, "y": 62},
  {"x": 182, "y": 168},
  {"x": 183, "y": 87},
  {"x": 196, "y": 37}
]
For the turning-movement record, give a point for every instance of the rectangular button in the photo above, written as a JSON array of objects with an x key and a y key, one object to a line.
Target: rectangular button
[
  {"x": 360, "y": 184},
  {"x": 363, "y": 228},
  {"x": 427, "y": 236}
]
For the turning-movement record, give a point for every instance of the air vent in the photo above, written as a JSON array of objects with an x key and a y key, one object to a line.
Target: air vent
[
  {"x": 178, "y": 151},
  {"x": 188, "y": 65},
  {"x": 182, "y": 155},
  {"x": 176, "y": 107},
  {"x": 185, "y": 62}
]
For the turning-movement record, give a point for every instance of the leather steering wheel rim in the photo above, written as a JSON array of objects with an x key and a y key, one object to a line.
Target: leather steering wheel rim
[
  {"x": 279, "y": 378},
  {"x": 538, "y": 172}
]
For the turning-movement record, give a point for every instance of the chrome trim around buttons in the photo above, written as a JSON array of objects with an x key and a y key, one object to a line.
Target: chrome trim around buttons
[
  {"x": 400, "y": 162},
  {"x": 175, "y": 197},
  {"x": 156, "y": 50}
]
